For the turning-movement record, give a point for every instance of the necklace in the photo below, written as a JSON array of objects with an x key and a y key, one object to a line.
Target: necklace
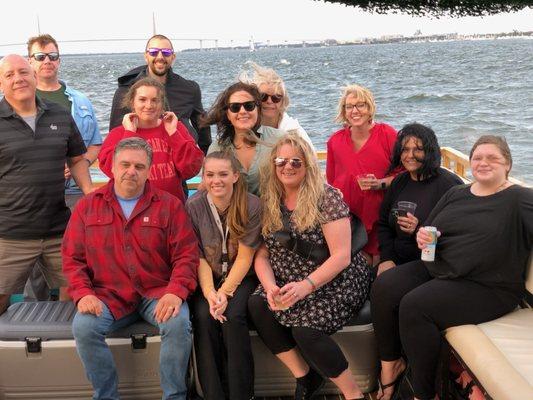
[{"x": 501, "y": 187}]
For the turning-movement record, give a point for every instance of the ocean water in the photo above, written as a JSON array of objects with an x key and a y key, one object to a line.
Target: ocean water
[{"x": 461, "y": 89}]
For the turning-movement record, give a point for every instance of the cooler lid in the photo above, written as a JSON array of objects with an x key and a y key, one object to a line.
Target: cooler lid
[{"x": 53, "y": 320}]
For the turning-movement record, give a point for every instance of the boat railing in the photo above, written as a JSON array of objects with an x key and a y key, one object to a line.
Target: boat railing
[{"x": 451, "y": 159}]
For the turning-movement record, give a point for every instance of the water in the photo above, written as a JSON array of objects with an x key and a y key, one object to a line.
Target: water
[{"x": 461, "y": 89}]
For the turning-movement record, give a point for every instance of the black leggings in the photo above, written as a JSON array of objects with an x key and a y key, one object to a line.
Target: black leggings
[
  {"x": 223, "y": 351},
  {"x": 411, "y": 309},
  {"x": 317, "y": 348}
]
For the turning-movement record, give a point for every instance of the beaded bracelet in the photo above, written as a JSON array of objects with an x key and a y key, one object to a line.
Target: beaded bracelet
[{"x": 311, "y": 283}]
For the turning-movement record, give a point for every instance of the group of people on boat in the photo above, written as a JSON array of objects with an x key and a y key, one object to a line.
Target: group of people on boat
[{"x": 264, "y": 242}]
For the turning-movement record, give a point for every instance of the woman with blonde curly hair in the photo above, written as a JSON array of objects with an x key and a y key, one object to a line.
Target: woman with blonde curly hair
[
  {"x": 359, "y": 156},
  {"x": 274, "y": 99},
  {"x": 311, "y": 281}
]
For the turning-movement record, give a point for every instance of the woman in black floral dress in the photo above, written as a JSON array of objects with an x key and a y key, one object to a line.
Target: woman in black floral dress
[{"x": 303, "y": 298}]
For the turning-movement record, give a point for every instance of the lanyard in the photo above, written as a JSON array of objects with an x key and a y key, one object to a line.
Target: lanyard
[{"x": 224, "y": 234}]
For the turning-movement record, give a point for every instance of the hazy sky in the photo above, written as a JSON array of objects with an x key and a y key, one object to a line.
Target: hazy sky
[{"x": 237, "y": 20}]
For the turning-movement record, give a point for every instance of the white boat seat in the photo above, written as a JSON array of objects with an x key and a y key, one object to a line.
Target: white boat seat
[{"x": 499, "y": 353}]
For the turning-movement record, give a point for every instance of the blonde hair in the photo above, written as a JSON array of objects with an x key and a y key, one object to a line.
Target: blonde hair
[
  {"x": 306, "y": 214},
  {"x": 266, "y": 76},
  {"x": 361, "y": 93}
]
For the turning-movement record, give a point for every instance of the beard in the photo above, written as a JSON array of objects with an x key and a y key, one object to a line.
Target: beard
[{"x": 158, "y": 72}]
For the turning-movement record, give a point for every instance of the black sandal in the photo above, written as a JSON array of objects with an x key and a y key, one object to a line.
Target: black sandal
[{"x": 396, "y": 383}]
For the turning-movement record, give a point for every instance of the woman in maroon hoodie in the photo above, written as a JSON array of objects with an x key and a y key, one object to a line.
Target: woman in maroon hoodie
[{"x": 176, "y": 156}]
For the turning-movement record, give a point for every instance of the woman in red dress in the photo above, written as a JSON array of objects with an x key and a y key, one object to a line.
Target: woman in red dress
[{"x": 359, "y": 156}]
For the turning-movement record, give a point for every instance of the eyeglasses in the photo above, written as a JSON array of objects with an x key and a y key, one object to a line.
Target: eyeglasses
[
  {"x": 236, "y": 107},
  {"x": 154, "y": 51},
  {"x": 276, "y": 98},
  {"x": 359, "y": 106},
  {"x": 53, "y": 56},
  {"x": 294, "y": 162}
]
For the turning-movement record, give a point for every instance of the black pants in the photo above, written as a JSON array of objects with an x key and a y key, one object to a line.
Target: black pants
[
  {"x": 223, "y": 351},
  {"x": 411, "y": 309},
  {"x": 317, "y": 348}
]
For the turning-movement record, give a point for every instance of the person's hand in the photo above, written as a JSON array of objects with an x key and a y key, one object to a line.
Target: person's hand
[
  {"x": 170, "y": 121},
  {"x": 90, "y": 304},
  {"x": 66, "y": 172},
  {"x": 167, "y": 306},
  {"x": 271, "y": 294},
  {"x": 219, "y": 307},
  {"x": 130, "y": 122},
  {"x": 408, "y": 223},
  {"x": 294, "y": 291},
  {"x": 423, "y": 238},
  {"x": 385, "y": 265}
]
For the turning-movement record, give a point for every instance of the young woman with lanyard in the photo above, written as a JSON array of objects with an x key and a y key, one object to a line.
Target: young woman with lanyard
[{"x": 226, "y": 219}]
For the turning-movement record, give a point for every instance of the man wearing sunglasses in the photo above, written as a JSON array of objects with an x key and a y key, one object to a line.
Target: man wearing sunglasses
[
  {"x": 43, "y": 54},
  {"x": 36, "y": 138},
  {"x": 184, "y": 97}
]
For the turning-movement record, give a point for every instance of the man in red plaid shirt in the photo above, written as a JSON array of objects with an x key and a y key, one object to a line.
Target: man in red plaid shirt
[{"x": 129, "y": 250}]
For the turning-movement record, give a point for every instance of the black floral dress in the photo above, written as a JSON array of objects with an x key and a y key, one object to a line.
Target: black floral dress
[{"x": 331, "y": 306}]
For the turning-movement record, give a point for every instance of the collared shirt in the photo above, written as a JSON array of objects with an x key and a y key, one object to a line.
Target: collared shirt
[
  {"x": 32, "y": 163},
  {"x": 83, "y": 113},
  {"x": 120, "y": 260}
]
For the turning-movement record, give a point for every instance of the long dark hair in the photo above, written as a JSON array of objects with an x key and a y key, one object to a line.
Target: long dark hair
[
  {"x": 431, "y": 162},
  {"x": 237, "y": 218},
  {"x": 217, "y": 114}
]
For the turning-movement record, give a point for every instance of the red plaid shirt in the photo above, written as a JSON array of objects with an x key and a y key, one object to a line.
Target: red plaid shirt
[{"x": 121, "y": 261}]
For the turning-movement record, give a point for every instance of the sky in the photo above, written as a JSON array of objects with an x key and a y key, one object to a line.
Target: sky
[{"x": 232, "y": 22}]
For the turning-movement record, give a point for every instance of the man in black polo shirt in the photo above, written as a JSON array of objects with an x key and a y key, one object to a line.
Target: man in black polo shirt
[
  {"x": 36, "y": 139},
  {"x": 184, "y": 97}
]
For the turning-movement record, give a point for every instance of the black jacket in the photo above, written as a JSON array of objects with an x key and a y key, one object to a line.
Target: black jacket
[{"x": 184, "y": 98}]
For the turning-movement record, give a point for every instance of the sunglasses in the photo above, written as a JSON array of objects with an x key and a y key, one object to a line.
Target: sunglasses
[
  {"x": 154, "y": 51},
  {"x": 236, "y": 107},
  {"x": 294, "y": 162},
  {"x": 276, "y": 98},
  {"x": 53, "y": 56}
]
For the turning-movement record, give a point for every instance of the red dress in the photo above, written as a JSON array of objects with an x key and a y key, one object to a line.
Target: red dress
[{"x": 344, "y": 164}]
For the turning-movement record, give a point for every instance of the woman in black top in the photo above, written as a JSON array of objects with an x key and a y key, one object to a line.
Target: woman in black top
[
  {"x": 424, "y": 182},
  {"x": 485, "y": 236}
]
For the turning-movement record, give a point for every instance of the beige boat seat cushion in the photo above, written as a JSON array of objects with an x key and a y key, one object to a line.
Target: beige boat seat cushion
[{"x": 500, "y": 352}]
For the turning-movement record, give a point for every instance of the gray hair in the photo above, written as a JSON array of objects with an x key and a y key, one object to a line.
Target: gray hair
[{"x": 134, "y": 143}]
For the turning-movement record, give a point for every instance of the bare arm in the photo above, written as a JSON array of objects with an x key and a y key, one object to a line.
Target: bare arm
[
  {"x": 92, "y": 152},
  {"x": 79, "y": 170}
]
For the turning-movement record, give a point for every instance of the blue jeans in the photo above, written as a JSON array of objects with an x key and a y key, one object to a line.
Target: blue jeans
[{"x": 90, "y": 331}]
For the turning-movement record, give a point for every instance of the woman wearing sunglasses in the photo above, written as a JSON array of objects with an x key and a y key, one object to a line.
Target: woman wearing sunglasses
[
  {"x": 358, "y": 161},
  {"x": 304, "y": 298},
  {"x": 275, "y": 100},
  {"x": 227, "y": 222},
  {"x": 176, "y": 156},
  {"x": 237, "y": 115}
]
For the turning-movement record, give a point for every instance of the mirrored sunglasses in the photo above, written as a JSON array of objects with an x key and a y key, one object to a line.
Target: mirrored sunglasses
[
  {"x": 154, "y": 51},
  {"x": 276, "y": 98},
  {"x": 294, "y": 162},
  {"x": 236, "y": 107},
  {"x": 53, "y": 56}
]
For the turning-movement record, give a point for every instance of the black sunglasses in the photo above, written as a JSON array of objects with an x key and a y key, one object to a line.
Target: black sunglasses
[
  {"x": 53, "y": 56},
  {"x": 154, "y": 51},
  {"x": 276, "y": 98},
  {"x": 236, "y": 107},
  {"x": 294, "y": 162}
]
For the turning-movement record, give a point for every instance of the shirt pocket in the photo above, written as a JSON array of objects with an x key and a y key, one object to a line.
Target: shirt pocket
[
  {"x": 153, "y": 233},
  {"x": 85, "y": 121},
  {"x": 99, "y": 232}
]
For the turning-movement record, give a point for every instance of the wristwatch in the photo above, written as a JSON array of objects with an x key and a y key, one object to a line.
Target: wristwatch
[{"x": 383, "y": 185}]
